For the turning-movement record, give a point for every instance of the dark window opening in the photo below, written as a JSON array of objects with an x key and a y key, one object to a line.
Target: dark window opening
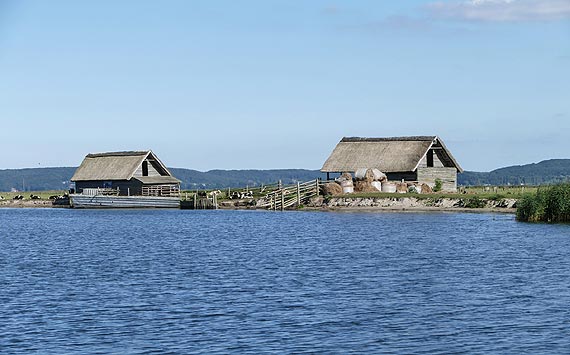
[
  {"x": 145, "y": 168},
  {"x": 430, "y": 158}
]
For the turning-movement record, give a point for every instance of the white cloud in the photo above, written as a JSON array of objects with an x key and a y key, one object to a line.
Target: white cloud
[{"x": 502, "y": 10}]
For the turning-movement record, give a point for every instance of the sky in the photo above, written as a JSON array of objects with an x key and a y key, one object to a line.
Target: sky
[{"x": 276, "y": 84}]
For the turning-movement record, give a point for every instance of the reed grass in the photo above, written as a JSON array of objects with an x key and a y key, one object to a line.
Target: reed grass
[{"x": 549, "y": 204}]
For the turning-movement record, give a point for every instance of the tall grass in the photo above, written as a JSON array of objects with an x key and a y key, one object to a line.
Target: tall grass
[{"x": 548, "y": 204}]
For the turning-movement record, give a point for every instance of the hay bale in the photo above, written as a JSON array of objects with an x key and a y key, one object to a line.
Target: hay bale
[
  {"x": 401, "y": 187},
  {"x": 369, "y": 177},
  {"x": 364, "y": 186},
  {"x": 345, "y": 177},
  {"x": 379, "y": 176},
  {"x": 377, "y": 185},
  {"x": 332, "y": 188},
  {"x": 360, "y": 174},
  {"x": 426, "y": 189}
]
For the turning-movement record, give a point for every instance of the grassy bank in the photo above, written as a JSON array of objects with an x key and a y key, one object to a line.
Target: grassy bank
[{"x": 548, "y": 204}]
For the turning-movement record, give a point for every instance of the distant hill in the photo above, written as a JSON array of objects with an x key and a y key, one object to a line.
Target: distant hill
[
  {"x": 217, "y": 179},
  {"x": 36, "y": 179},
  {"x": 546, "y": 172},
  {"x": 39, "y": 179}
]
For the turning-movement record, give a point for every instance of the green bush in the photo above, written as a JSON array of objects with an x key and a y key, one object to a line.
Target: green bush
[
  {"x": 438, "y": 185},
  {"x": 551, "y": 204}
]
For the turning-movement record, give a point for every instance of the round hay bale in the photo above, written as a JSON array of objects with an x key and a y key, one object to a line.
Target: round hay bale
[
  {"x": 377, "y": 185},
  {"x": 388, "y": 186},
  {"x": 332, "y": 188},
  {"x": 360, "y": 174},
  {"x": 378, "y": 175},
  {"x": 425, "y": 189},
  {"x": 401, "y": 187},
  {"x": 369, "y": 176},
  {"x": 345, "y": 177},
  {"x": 364, "y": 186}
]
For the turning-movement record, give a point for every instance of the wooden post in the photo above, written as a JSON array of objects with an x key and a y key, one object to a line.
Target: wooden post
[
  {"x": 275, "y": 202},
  {"x": 298, "y": 193},
  {"x": 195, "y": 200},
  {"x": 282, "y": 200},
  {"x": 279, "y": 184},
  {"x": 317, "y": 187}
]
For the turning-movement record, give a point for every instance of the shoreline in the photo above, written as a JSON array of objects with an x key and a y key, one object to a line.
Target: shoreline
[
  {"x": 412, "y": 210},
  {"x": 344, "y": 204},
  {"x": 28, "y": 204}
]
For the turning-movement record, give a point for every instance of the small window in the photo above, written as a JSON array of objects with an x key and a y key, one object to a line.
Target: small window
[
  {"x": 145, "y": 168},
  {"x": 430, "y": 158}
]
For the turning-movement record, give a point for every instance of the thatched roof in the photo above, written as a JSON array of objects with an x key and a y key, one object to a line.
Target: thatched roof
[
  {"x": 115, "y": 166},
  {"x": 395, "y": 154}
]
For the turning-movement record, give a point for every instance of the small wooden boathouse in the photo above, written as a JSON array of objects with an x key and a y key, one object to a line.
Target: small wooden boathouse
[{"x": 132, "y": 174}]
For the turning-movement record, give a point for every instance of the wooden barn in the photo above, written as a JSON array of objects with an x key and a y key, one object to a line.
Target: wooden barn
[
  {"x": 135, "y": 173},
  {"x": 421, "y": 159}
]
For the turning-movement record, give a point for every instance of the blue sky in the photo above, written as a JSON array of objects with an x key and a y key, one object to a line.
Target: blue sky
[{"x": 276, "y": 84}]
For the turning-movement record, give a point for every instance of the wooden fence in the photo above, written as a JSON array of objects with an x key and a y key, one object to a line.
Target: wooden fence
[
  {"x": 199, "y": 203},
  {"x": 289, "y": 196}
]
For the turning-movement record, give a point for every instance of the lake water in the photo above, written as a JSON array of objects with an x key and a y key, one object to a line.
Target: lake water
[{"x": 218, "y": 282}]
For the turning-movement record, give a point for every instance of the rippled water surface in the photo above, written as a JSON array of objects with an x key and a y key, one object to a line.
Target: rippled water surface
[{"x": 217, "y": 282}]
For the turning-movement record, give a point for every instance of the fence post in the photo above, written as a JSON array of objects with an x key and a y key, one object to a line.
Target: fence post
[
  {"x": 282, "y": 200},
  {"x": 298, "y": 193},
  {"x": 317, "y": 187}
]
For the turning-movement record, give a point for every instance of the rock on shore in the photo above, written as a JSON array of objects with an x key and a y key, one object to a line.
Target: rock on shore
[{"x": 412, "y": 203}]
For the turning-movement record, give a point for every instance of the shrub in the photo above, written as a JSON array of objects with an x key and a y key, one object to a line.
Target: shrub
[{"x": 438, "y": 185}]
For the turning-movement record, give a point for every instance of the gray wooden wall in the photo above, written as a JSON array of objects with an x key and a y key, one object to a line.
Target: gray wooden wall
[
  {"x": 151, "y": 169},
  {"x": 448, "y": 177}
]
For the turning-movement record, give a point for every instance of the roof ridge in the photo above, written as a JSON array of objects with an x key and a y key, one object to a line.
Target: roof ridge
[
  {"x": 388, "y": 139},
  {"x": 118, "y": 154}
]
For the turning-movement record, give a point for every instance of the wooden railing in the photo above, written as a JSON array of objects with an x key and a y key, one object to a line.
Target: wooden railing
[
  {"x": 100, "y": 191},
  {"x": 161, "y": 190}
]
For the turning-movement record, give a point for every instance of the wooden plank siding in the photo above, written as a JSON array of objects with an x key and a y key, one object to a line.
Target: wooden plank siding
[
  {"x": 152, "y": 171},
  {"x": 437, "y": 163},
  {"x": 448, "y": 177}
]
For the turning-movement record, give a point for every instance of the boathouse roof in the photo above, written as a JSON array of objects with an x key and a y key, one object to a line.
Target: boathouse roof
[
  {"x": 390, "y": 154},
  {"x": 120, "y": 166}
]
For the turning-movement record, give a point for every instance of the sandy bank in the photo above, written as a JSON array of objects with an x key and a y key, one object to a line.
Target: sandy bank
[{"x": 27, "y": 203}]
